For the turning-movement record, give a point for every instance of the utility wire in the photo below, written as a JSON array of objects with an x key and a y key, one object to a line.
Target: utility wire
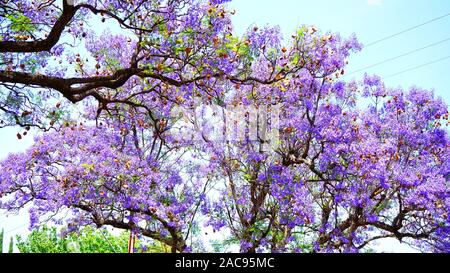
[
  {"x": 109, "y": 242},
  {"x": 417, "y": 67},
  {"x": 406, "y": 30},
  {"x": 400, "y": 56},
  {"x": 16, "y": 228}
]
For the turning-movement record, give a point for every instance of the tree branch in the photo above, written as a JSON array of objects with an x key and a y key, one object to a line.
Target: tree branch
[{"x": 45, "y": 44}]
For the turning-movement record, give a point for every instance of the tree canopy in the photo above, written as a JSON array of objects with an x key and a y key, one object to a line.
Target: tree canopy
[{"x": 152, "y": 116}]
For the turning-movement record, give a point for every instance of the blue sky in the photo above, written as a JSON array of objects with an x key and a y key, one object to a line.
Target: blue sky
[{"x": 370, "y": 20}]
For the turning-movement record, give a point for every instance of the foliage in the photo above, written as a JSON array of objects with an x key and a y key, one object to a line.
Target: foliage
[
  {"x": 11, "y": 243},
  {"x": 11, "y": 246},
  {"x": 87, "y": 240},
  {"x": 1, "y": 241}
]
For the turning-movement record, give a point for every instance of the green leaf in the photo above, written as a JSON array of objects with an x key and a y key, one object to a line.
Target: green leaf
[
  {"x": 11, "y": 245},
  {"x": 247, "y": 176},
  {"x": 20, "y": 23},
  {"x": 1, "y": 241},
  {"x": 87, "y": 166},
  {"x": 301, "y": 31}
]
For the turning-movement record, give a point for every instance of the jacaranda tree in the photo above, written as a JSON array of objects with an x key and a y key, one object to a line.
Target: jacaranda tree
[{"x": 152, "y": 116}]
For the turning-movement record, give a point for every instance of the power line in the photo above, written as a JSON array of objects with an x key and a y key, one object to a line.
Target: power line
[
  {"x": 417, "y": 67},
  {"x": 16, "y": 228},
  {"x": 406, "y": 30},
  {"x": 400, "y": 56},
  {"x": 109, "y": 242}
]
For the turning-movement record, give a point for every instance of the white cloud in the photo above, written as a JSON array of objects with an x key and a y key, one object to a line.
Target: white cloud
[{"x": 374, "y": 2}]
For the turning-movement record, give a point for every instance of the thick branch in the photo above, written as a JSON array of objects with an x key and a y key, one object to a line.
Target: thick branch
[
  {"x": 45, "y": 44},
  {"x": 76, "y": 89}
]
